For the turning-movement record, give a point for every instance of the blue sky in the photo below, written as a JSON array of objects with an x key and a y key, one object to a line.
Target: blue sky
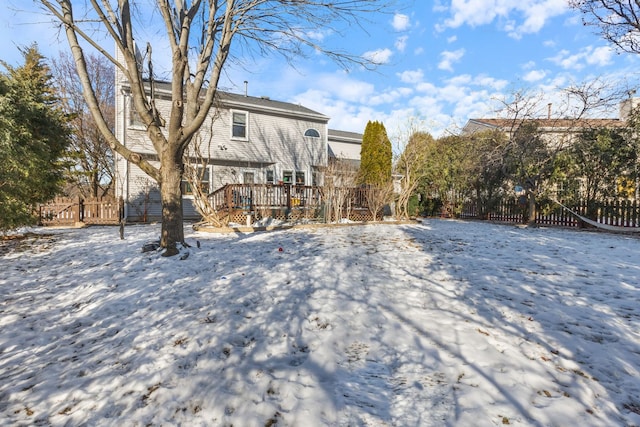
[{"x": 443, "y": 61}]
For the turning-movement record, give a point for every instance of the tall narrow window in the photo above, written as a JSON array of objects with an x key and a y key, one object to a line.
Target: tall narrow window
[
  {"x": 134, "y": 118},
  {"x": 239, "y": 125},
  {"x": 287, "y": 177},
  {"x": 270, "y": 176},
  {"x": 300, "y": 178}
]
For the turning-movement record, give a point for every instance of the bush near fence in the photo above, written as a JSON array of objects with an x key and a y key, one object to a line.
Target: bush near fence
[
  {"x": 622, "y": 213},
  {"x": 69, "y": 211}
]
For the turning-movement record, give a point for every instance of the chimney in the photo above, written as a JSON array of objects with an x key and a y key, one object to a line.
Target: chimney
[
  {"x": 246, "y": 88},
  {"x": 549, "y": 111}
]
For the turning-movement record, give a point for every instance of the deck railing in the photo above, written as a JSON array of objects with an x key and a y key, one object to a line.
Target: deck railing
[{"x": 254, "y": 197}]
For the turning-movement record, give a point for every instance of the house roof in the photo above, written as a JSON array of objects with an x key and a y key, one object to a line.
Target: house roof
[
  {"x": 344, "y": 136},
  {"x": 559, "y": 124},
  {"x": 344, "y": 145},
  {"x": 263, "y": 103}
]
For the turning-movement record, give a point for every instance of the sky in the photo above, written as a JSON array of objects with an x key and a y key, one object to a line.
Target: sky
[
  {"x": 439, "y": 323},
  {"x": 442, "y": 62}
]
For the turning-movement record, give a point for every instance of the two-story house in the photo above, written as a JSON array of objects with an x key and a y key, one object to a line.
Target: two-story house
[{"x": 245, "y": 140}]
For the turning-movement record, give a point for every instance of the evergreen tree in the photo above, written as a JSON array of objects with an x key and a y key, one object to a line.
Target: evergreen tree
[
  {"x": 34, "y": 134},
  {"x": 375, "y": 155}
]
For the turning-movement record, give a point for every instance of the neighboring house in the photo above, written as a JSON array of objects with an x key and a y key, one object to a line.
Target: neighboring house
[
  {"x": 556, "y": 131},
  {"x": 246, "y": 140}
]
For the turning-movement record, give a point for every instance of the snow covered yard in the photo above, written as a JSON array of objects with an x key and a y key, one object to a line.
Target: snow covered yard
[{"x": 443, "y": 323}]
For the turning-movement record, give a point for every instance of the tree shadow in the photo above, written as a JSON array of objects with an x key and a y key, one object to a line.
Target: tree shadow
[
  {"x": 567, "y": 305},
  {"x": 341, "y": 327}
]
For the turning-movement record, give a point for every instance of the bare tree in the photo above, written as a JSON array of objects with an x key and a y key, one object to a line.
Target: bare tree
[
  {"x": 617, "y": 20},
  {"x": 92, "y": 173},
  {"x": 535, "y": 142},
  {"x": 378, "y": 195},
  {"x": 202, "y": 36},
  {"x": 196, "y": 163},
  {"x": 340, "y": 178},
  {"x": 412, "y": 144}
]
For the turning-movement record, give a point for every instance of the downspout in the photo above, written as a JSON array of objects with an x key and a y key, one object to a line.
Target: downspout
[{"x": 126, "y": 165}]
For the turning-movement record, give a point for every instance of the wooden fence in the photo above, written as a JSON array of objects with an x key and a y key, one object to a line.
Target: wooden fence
[
  {"x": 622, "y": 213},
  {"x": 69, "y": 211}
]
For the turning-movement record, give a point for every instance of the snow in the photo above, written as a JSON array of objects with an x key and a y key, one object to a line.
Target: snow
[{"x": 444, "y": 323}]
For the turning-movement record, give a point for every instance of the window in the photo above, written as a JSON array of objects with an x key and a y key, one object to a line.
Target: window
[
  {"x": 270, "y": 176},
  {"x": 134, "y": 118},
  {"x": 287, "y": 177},
  {"x": 202, "y": 176},
  {"x": 248, "y": 178},
  {"x": 239, "y": 125},
  {"x": 312, "y": 133},
  {"x": 299, "y": 178}
]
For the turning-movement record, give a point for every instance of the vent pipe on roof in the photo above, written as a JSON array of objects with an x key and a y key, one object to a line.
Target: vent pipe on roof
[
  {"x": 549, "y": 110},
  {"x": 246, "y": 88}
]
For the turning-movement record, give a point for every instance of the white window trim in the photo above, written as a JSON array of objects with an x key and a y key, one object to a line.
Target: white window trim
[
  {"x": 293, "y": 176},
  {"x": 246, "y": 130},
  {"x": 131, "y": 109},
  {"x": 312, "y": 136},
  {"x": 252, "y": 171},
  {"x": 266, "y": 175},
  {"x": 191, "y": 196}
]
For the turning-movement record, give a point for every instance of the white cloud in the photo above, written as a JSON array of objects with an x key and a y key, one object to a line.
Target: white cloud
[
  {"x": 379, "y": 56},
  {"x": 452, "y": 39},
  {"x": 389, "y": 96},
  {"x": 534, "y": 75},
  {"x": 401, "y": 43},
  {"x": 449, "y": 58},
  {"x": 319, "y": 35},
  {"x": 538, "y": 13},
  {"x": 427, "y": 87},
  {"x": 490, "y": 82},
  {"x": 411, "y": 76},
  {"x": 516, "y": 17},
  {"x": 598, "y": 56},
  {"x": 400, "y": 22}
]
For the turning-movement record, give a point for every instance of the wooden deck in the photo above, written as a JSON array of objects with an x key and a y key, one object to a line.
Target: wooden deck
[{"x": 281, "y": 201}]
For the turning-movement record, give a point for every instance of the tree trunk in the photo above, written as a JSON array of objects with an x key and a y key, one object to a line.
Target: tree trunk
[
  {"x": 532, "y": 208},
  {"x": 171, "y": 198}
]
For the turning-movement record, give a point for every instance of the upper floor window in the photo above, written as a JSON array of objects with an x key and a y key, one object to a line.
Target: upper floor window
[
  {"x": 134, "y": 118},
  {"x": 312, "y": 133},
  {"x": 239, "y": 124}
]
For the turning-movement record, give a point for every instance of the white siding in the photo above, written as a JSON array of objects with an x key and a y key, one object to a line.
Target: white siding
[
  {"x": 345, "y": 150},
  {"x": 275, "y": 141}
]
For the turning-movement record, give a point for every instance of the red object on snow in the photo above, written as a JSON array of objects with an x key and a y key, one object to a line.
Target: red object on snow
[{"x": 280, "y": 250}]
